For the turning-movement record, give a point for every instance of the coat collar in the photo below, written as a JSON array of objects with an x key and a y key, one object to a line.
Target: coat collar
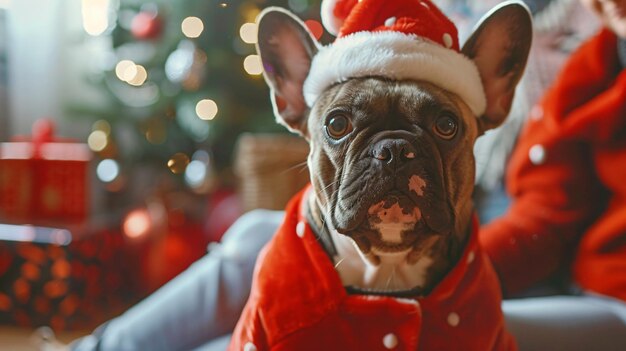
[{"x": 308, "y": 287}]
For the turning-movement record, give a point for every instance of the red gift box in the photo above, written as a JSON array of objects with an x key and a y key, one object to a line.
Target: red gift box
[{"x": 43, "y": 178}]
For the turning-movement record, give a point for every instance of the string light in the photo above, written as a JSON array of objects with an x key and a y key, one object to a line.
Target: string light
[
  {"x": 223, "y": 5},
  {"x": 178, "y": 163},
  {"x": 156, "y": 132},
  {"x": 140, "y": 76},
  {"x": 97, "y": 140},
  {"x": 192, "y": 27},
  {"x": 137, "y": 223},
  {"x": 195, "y": 173},
  {"x": 249, "y": 11},
  {"x": 108, "y": 170},
  {"x": 95, "y": 16},
  {"x": 102, "y": 126},
  {"x": 315, "y": 27},
  {"x": 298, "y": 5},
  {"x": 206, "y": 109},
  {"x": 125, "y": 70},
  {"x": 248, "y": 33},
  {"x": 252, "y": 65}
]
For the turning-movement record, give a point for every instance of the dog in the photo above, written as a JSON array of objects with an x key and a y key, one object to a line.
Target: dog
[{"x": 380, "y": 251}]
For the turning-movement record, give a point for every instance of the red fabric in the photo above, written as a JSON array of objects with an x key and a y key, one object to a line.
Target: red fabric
[
  {"x": 414, "y": 17},
  {"x": 570, "y": 210},
  {"x": 298, "y": 303}
]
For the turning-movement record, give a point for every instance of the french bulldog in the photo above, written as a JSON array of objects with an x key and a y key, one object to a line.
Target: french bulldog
[{"x": 391, "y": 160}]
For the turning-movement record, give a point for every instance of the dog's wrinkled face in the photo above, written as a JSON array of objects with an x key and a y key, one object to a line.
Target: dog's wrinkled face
[
  {"x": 391, "y": 160},
  {"x": 389, "y": 155}
]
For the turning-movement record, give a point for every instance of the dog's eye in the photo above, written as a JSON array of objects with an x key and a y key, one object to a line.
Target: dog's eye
[
  {"x": 338, "y": 126},
  {"x": 445, "y": 127}
]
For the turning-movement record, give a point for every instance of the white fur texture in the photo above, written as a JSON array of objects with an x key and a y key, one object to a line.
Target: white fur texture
[{"x": 398, "y": 56}]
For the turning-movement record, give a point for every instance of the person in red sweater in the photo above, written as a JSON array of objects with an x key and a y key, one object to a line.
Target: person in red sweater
[
  {"x": 567, "y": 175},
  {"x": 567, "y": 180}
]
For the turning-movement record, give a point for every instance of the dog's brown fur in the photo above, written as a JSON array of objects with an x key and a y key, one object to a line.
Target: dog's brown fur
[{"x": 392, "y": 162}]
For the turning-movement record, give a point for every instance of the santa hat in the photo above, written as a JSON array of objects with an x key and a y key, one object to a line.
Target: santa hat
[{"x": 396, "y": 39}]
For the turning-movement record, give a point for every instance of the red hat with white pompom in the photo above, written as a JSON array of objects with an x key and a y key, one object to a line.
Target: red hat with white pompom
[{"x": 396, "y": 39}]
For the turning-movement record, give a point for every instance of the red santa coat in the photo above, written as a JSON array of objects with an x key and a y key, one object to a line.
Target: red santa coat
[
  {"x": 568, "y": 180},
  {"x": 299, "y": 303}
]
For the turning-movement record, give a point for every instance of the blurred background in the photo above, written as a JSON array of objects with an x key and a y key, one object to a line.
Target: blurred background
[{"x": 133, "y": 133}]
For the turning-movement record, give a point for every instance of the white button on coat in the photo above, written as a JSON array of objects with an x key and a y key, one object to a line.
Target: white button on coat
[
  {"x": 453, "y": 319},
  {"x": 390, "y": 341},
  {"x": 390, "y": 21},
  {"x": 300, "y": 229},
  {"x": 536, "y": 113},
  {"x": 537, "y": 154},
  {"x": 447, "y": 40},
  {"x": 249, "y": 347},
  {"x": 470, "y": 257}
]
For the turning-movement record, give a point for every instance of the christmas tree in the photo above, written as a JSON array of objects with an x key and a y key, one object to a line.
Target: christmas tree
[{"x": 182, "y": 81}]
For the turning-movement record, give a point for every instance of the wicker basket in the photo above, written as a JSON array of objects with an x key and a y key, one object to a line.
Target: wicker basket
[{"x": 271, "y": 168}]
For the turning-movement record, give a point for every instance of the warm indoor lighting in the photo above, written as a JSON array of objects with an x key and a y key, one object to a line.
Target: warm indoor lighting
[
  {"x": 206, "y": 109},
  {"x": 137, "y": 223},
  {"x": 125, "y": 70},
  {"x": 178, "y": 163},
  {"x": 97, "y": 140},
  {"x": 95, "y": 16},
  {"x": 140, "y": 76},
  {"x": 315, "y": 27},
  {"x": 102, "y": 125},
  {"x": 192, "y": 27},
  {"x": 252, "y": 64},
  {"x": 248, "y": 33}
]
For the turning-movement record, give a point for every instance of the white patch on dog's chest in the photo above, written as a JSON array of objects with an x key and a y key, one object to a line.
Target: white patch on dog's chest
[{"x": 392, "y": 273}]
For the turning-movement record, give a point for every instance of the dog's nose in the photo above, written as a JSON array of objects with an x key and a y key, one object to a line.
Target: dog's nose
[{"x": 393, "y": 151}]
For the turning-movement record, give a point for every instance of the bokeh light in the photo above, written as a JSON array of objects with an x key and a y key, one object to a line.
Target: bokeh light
[
  {"x": 248, "y": 33},
  {"x": 315, "y": 27},
  {"x": 201, "y": 156},
  {"x": 178, "y": 163},
  {"x": 140, "y": 76},
  {"x": 95, "y": 16},
  {"x": 252, "y": 64},
  {"x": 137, "y": 223},
  {"x": 298, "y": 5},
  {"x": 195, "y": 173},
  {"x": 108, "y": 170},
  {"x": 125, "y": 70},
  {"x": 102, "y": 126},
  {"x": 206, "y": 109},
  {"x": 192, "y": 27},
  {"x": 61, "y": 237},
  {"x": 97, "y": 140},
  {"x": 156, "y": 132}
]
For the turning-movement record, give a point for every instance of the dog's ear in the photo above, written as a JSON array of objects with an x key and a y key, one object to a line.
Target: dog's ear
[
  {"x": 499, "y": 47},
  {"x": 286, "y": 48}
]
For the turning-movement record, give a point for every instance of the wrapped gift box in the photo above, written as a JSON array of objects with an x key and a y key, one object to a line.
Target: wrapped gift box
[
  {"x": 44, "y": 178},
  {"x": 65, "y": 279}
]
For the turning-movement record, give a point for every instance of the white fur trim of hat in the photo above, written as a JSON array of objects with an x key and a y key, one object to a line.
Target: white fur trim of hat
[{"x": 398, "y": 56}]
